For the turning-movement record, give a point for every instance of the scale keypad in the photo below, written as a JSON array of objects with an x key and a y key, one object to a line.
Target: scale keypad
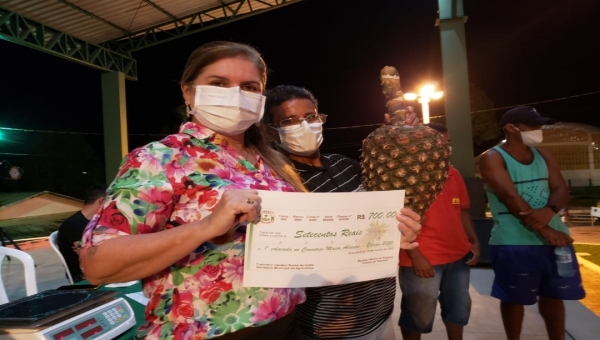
[{"x": 115, "y": 315}]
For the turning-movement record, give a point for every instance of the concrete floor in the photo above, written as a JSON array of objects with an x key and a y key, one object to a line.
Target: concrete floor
[
  {"x": 586, "y": 234},
  {"x": 486, "y": 323}
]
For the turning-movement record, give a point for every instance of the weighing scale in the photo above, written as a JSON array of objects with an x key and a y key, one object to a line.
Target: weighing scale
[{"x": 66, "y": 315}]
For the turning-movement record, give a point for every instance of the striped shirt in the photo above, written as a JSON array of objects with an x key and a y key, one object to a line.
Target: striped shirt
[
  {"x": 338, "y": 173},
  {"x": 349, "y": 310}
]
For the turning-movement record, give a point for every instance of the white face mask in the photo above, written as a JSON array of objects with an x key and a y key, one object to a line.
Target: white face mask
[
  {"x": 532, "y": 137},
  {"x": 301, "y": 140},
  {"x": 227, "y": 111}
]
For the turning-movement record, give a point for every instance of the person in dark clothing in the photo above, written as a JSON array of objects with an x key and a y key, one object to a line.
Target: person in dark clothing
[
  {"x": 71, "y": 229},
  {"x": 358, "y": 311}
]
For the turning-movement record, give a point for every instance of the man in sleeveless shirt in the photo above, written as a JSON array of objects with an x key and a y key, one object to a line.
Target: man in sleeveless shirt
[{"x": 525, "y": 190}]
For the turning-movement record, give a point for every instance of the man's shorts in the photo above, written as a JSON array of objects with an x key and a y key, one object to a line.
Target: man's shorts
[
  {"x": 525, "y": 272},
  {"x": 420, "y": 296}
]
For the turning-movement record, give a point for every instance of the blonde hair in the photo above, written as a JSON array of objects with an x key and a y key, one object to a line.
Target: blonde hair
[{"x": 256, "y": 137}]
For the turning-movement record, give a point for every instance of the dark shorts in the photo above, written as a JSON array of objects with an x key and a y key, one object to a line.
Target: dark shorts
[
  {"x": 449, "y": 286},
  {"x": 522, "y": 273}
]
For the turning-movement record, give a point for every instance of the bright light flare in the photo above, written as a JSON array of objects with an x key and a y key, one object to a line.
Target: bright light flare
[
  {"x": 437, "y": 95},
  {"x": 410, "y": 96},
  {"x": 426, "y": 91}
]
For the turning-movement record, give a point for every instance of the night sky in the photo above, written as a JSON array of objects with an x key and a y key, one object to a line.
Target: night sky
[{"x": 518, "y": 51}]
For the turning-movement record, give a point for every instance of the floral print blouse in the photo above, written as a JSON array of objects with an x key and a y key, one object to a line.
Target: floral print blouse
[{"x": 173, "y": 182}]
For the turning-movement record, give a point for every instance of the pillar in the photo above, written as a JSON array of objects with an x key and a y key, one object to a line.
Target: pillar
[
  {"x": 115, "y": 122},
  {"x": 456, "y": 84}
]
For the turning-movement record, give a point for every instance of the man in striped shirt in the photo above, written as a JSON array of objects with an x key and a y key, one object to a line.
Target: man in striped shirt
[{"x": 358, "y": 311}]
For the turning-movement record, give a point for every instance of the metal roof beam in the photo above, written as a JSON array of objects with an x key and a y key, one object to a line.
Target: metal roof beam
[
  {"x": 92, "y": 15},
  {"x": 160, "y": 9},
  {"x": 20, "y": 30},
  {"x": 226, "y": 6},
  {"x": 166, "y": 32}
]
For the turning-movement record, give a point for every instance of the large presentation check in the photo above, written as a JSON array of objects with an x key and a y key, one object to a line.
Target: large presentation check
[{"x": 321, "y": 239}]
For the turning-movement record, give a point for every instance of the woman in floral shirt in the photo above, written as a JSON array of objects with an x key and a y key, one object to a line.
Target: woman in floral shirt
[{"x": 174, "y": 215}]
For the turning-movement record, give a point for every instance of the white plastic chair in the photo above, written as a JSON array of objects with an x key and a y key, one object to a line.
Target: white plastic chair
[
  {"x": 54, "y": 245},
  {"x": 28, "y": 269}
]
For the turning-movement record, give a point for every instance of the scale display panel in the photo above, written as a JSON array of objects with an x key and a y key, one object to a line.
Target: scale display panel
[
  {"x": 104, "y": 322},
  {"x": 66, "y": 315}
]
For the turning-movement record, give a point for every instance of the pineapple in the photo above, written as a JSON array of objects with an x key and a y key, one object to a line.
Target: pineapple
[{"x": 398, "y": 156}]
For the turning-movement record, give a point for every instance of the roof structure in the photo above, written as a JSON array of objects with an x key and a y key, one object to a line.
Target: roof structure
[
  {"x": 8, "y": 199},
  {"x": 103, "y": 33},
  {"x": 33, "y": 227},
  {"x": 31, "y": 215},
  {"x": 572, "y": 128}
]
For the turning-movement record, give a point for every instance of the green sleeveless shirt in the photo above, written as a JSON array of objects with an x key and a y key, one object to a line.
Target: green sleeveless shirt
[{"x": 531, "y": 181}]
